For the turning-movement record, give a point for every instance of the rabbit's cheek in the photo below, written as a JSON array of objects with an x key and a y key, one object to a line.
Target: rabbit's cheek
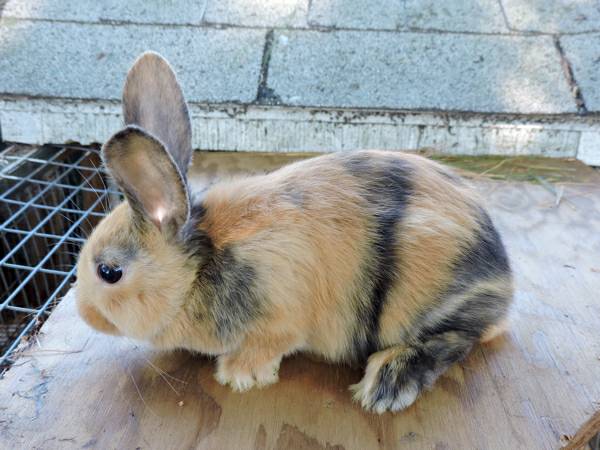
[{"x": 137, "y": 316}]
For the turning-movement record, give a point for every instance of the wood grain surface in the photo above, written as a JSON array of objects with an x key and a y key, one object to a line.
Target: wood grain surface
[{"x": 529, "y": 389}]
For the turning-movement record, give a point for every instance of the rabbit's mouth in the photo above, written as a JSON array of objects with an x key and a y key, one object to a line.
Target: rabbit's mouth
[{"x": 94, "y": 318}]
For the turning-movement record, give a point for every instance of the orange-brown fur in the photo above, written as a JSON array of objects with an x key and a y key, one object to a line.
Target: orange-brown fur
[
  {"x": 309, "y": 307},
  {"x": 430, "y": 238}
]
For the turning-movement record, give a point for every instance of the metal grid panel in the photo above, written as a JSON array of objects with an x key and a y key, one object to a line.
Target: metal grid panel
[{"x": 50, "y": 199}]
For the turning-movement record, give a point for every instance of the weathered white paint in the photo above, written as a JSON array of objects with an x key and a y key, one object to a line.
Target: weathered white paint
[{"x": 284, "y": 129}]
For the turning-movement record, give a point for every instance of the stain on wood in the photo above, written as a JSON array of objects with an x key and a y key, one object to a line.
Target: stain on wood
[
  {"x": 291, "y": 437},
  {"x": 261, "y": 438}
]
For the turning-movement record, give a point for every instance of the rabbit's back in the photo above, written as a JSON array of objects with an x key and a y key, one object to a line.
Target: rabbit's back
[{"x": 359, "y": 251}]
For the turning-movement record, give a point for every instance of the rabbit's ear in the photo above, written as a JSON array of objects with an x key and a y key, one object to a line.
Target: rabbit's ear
[
  {"x": 153, "y": 100},
  {"x": 149, "y": 178}
]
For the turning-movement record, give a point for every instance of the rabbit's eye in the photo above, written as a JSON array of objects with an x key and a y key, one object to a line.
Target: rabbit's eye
[{"x": 109, "y": 274}]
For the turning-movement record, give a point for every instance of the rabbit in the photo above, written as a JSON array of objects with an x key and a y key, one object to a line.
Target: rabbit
[{"x": 385, "y": 260}]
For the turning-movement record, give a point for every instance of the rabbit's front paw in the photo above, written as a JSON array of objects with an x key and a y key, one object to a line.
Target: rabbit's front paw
[{"x": 242, "y": 375}]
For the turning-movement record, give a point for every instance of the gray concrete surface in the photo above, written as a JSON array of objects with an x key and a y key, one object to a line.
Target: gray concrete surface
[
  {"x": 512, "y": 76},
  {"x": 69, "y": 60},
  {"x": 553, "y": 16},
  {"x": 483, "y": 16},
  {"x": 138, "y": 11},
  {"x": 583, "y": 53},
  {"x": 280, "y": 13},
  {"x": 415, "y": 71}
]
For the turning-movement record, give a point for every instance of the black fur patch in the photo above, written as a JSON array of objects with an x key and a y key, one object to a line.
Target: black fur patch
[
  {"x": 484, "y": 260},
  {"x": 387, "y": 188},
  {"x": 421, "y": 365},
  {"x": 196, "y": 242},
  {"x": 474, "y": 317},
  {"x": 226, "y": 285},
  {"x": 229, "y": 288},
  {"x": 121, "y": 255}
]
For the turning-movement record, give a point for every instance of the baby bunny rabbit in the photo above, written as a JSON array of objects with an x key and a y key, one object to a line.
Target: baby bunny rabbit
[{"x": 375, "y": 258}]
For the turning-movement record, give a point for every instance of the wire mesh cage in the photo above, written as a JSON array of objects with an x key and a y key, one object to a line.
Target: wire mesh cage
[{"x": 50, "y": 199}]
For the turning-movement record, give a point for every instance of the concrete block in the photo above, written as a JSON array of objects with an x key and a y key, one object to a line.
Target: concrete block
[
  {"x": 417, "y": 71},
  {"x": 553, "y": 16},
  {"x": 583, "y": 52},
  {"x": 280, "y": 13},
  {"x": 589, "y": 148},
  {"x": 458, "y": 15},
  {"x": 43, "y": 59},
  {"x": 137, "y": 11}
]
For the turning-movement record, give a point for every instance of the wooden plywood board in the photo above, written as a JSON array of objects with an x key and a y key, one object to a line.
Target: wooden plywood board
[{"x": 530, "y": 389}]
